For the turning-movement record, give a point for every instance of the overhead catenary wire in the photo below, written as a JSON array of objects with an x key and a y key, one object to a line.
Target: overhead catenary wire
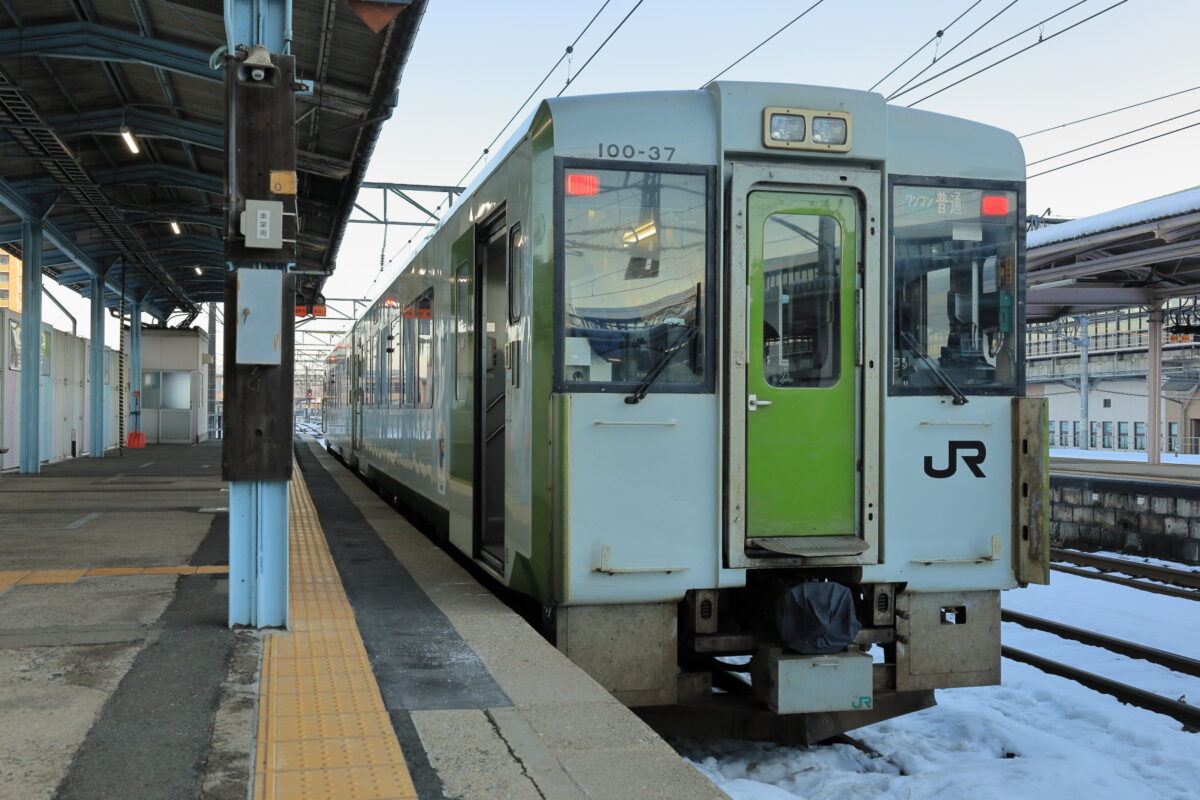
[
  {"x": 570, "y": 49},
  {"x": 1041, "y": 40},
  {"x": 1114, "y": 136},
  {"x": 1106, "y": 113},
  {"x": 1022, "y": 32},
  {"x": 941, "y": 32},
  {"x": 613, "y": 33},
  {"x": 957, "y": 45},
  {"x": 752, "y": 50},
  {"x": 1114, "y": 150}
]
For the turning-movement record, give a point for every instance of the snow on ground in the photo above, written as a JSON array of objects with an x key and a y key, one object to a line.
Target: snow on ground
[
  {"x": 1034, "y": 736},
  {"x": 1122, "y": 455}
]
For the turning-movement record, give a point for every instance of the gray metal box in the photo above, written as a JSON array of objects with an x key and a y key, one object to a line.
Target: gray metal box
[
  {"x": 262, "y": 224},
  {"x": 259, "y": 316},
  {"x": 798, "y": 684}
]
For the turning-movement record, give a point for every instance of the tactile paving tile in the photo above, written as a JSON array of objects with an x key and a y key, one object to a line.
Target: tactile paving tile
[
  {"x": 323, "y": 732},
  {"x": 112, "y": 571}
]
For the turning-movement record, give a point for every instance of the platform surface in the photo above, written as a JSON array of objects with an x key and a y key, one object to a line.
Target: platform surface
[
  {"x": 401, "y": 677},
  {"x": 1185, "y": 474}
]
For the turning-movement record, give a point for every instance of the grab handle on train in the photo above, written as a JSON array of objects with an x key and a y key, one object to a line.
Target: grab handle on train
[{"x": 753, "y": 403}]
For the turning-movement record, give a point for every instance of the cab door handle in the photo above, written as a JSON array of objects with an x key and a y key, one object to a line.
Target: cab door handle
[{"x": 753, "y": 403}]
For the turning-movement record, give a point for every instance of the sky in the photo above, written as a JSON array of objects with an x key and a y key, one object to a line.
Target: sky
[{"x": 474, "y": 61}]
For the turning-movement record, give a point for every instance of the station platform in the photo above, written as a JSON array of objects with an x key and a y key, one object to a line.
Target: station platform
[
  {"x": 1185, "y": 474},
  {"x": 400, "y": 677}
]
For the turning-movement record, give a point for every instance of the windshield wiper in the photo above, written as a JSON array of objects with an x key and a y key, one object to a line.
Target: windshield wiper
[
  {"x": 959, "y": 397},
  {"x": 640, "y": 392}
]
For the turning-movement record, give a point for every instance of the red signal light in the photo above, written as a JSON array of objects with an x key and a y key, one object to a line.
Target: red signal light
[
  {"x": 994, "y": 205},
  {"x": 582, "y": 184}
]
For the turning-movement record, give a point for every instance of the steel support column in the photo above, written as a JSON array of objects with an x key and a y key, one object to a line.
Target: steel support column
[
  {"x": 1154, "y": 386},
  {"x": 30, "y": 461},
  {"x": 96, "y": 366},
  {"x": 258, "y": 553},
  {"x": 135, "y": 367}
]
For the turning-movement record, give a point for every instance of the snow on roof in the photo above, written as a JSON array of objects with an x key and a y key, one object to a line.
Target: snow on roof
[{"x": 1169, "y": 205}]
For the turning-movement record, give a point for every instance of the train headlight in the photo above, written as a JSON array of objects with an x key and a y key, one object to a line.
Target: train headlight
[
  {"x": 787, "y": 128},
  {"x": 806, "y": 129},
  {"x": 828, "y": 130}
]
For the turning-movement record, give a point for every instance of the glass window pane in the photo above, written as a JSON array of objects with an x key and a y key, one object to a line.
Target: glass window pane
[
  {"x": 634, "y": 272},
  {"x": 151, "y": 382},
  {"x": 177, "y": 390},
  {"x": 802, "y": 256},
  {"x": 14, "y": 344},
  {"x": 516, "y": 273},
  {"x": 464, "y": 323},
  {"x": 425, "y": 351},
  {"x": 955, "y": 288}
]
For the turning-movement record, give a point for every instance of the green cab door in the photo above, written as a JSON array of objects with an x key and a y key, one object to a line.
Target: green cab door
[{"x": 802, "y": 439}]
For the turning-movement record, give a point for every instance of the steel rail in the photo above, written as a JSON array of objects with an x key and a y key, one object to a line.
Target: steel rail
[
  {"x": 1172, "y": 661},
  {"x": 1187, "y": 714},
  {"x": 1157, "y": 588},
  {"x": 1179, "y": 577}
]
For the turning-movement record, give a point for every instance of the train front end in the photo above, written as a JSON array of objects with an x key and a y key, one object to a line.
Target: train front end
[{"x": 792, "y": 350}]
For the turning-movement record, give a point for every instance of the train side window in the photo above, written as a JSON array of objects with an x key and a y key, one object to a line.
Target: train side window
[
  {"x": 516, "y": 272},
  {"x": 464, "y": 321},
  {"x": 424, "y": 306},
  {"x": 396, "y": 388}
]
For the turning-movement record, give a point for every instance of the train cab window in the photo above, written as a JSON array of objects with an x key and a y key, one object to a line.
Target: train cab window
[
  {"x": 802, "y": 256},
  {"x": 635, "y": 280},
  {"x": 956, "y": 284}
]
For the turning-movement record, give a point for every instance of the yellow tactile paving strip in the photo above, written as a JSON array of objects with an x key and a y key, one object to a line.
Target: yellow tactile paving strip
[
  {"x": 323, "y": 730},
  {"x": 42, "y": 576}
]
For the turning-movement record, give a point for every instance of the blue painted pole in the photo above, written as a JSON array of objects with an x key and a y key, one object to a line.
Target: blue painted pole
[
  {"x": 96, "y": 367},
  {"x": 258, "y": 510},
  {"x": 258, "y": 553},
  {"x": 30, "y": 461},
  {"x": 135, "y": 367}
]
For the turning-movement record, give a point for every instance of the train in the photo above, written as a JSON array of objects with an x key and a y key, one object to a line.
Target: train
[{"x": 729, "y": 384}]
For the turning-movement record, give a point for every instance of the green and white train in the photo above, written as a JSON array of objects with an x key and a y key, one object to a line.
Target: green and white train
[{"x": 736, "y": 371}]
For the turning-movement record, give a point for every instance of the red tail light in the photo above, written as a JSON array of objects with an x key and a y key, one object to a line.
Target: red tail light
[
  {"x": 994, "y": 205},
  {"x": 583, "y": 184}
]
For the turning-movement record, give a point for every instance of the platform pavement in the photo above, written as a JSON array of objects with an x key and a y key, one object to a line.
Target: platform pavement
[
  {"x": 118, "y": 677},
  {"x": 535, "y": 726}
]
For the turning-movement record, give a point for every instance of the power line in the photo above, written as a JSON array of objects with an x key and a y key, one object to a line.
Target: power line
[
  {"x": 764, "y": 41},
  {"x": 1114, "y": 150},
  {"x": 566, "y": 52},
  {"x": 1116, "y": 136},
  {"x": 1106, "y": 113},
  {"x": 1040, "y": 40},
  {"x": 601, "y": 47},
  {"x": 932, "y": 39},
  {"x": 957, "y": 45},
  {"x": 1019, "y": 33}
]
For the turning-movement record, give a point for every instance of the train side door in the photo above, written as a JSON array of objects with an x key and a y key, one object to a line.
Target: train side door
[
  {"x": 491, "y": 392},
  {"x": 802, "y": 379}
]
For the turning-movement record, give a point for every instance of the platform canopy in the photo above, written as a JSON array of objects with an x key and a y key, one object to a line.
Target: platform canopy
[
  {"x": 83, "y": 82},
  {"x": 1133, "y": 256}
]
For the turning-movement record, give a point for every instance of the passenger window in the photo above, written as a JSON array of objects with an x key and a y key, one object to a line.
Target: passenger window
[
  {"x": 424, "y": 320},
  {"x": 464, "y": 322},
  {"x": 516, "y": 272},
  {"x": 802, "y": 256}
]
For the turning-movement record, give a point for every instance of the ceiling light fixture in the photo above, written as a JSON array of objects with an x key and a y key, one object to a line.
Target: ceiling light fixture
[
  {"x": 130, "y": 141},
  {"x": 175, "y": 228}
]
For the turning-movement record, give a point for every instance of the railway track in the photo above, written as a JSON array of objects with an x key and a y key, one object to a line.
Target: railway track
[
  {"x": 1185, "y": 584},
  {"x": 1186, "y": 714}
]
